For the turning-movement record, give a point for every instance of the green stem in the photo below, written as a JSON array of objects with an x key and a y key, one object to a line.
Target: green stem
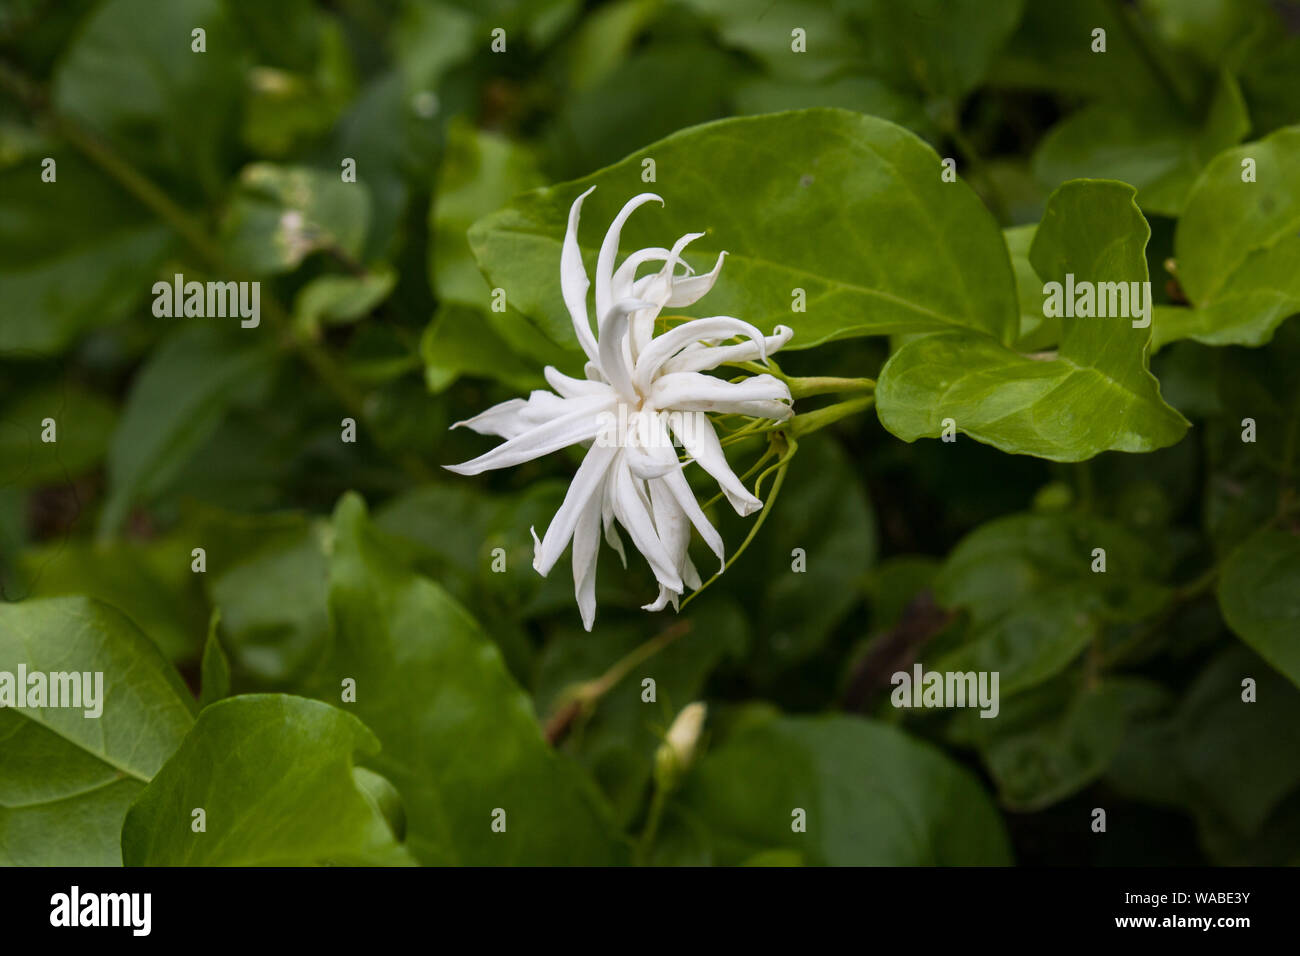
[
  {"x": 827, "y": 385},
  {"x": 808, "y": 422},
  {"x": 646, "y": 843}
]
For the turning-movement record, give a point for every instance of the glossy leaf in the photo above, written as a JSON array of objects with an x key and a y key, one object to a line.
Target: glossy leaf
[
  {"x": 66, "y": 779},
  {"x": 1093, "y": 394},
  {"x": 273, "y": 775}
]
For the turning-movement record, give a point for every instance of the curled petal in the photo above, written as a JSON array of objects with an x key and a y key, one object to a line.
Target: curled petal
[
  {"x": 568, "y": 387},
  {"x": 691, "y": 290},
  {"x": 573, "y": 280},
  {"x": 665, "y": 346},
  {"x": 613, "y": 347},
  {"x": 759, "y": 396},
  {"x": 579, "y": 423},
  {"x": 695, "y": 432},
  {"x": 609, "y": 250},
  {"x": 504, "y": 420},
  {"x": 586, "y": 542},
  {"x": 630, "y": 507},
  {"x": 701, "y": 358}
]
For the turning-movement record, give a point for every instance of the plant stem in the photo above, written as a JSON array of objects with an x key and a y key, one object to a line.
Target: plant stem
[
  {"x": 582, "y": 697},
  {"x": 808, "y": 422},
  {"x": 826, "y": 385}
]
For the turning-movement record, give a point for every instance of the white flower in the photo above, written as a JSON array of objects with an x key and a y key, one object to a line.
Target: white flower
[{"x": 640, "y": 391}]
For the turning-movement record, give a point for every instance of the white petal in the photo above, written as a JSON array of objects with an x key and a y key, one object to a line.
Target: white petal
[
  {"x": 573, "y": 280},
  {"x": 568, "y": 387},
  {"x": 504, "y": 420},
  {"x": 701, "y": 358},
  {"x": 632, "y": 513},
  {"x": 690, "y": 291},
  {"x": 587, "y": 485},
  {"x": 586, "y": 543},
  {"x": 665, "y": 346},
  {"x": 759, "y": 396},
  {"x": 581, "y": 422},
  {"x": 695, "y": 432},
  {"x": 609, "y": 250},
  {"x": 674, "y": 481},
  {"x": 613, "y": 356}
]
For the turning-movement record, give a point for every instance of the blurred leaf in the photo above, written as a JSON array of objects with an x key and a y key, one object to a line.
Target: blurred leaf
[
  {"x": 75, "y": 254},
  {"x": 176, "y": 402},
  {"x": 132, "y": 75},
  {"x": 274, "y": 777},
  {"x": 150, "y": 582},
  {"x": 1238, "y": 243},
  {"x": 66, "y": 779},
  {"x": 1259, "y": 592},
  {"x": 872, "y": 797},
  {"x": 83, "y": 421},
  {"x": 459, "y": 342},
  {"x": 1148, "y": 146},
  {"x": 1054, "y": 740},
  {"x": 822, "y": 511},
  {"x": 459, "y": 736},
  {"x": 1095, "y": 394},
  {"x": 1034, "y": 601},
  {"x": 880, "y": 186},
  {"x": 617, "y": 743},
  {"x": 282, "y": 214},
  {"x": 338, "y": 300},
  {"x": 273, "y": 607}
]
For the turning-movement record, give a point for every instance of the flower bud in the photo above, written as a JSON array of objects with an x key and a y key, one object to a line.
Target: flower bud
[{"x": 676, "y": 754}]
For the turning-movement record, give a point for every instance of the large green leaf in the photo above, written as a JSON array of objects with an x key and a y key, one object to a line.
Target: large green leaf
[
  {"x": 459, "y": 736},
  {"x": 1238, "y": 244},
  {"x": 1093, "y": 394},
  {"x": 871, "y": 795},
  {"x": 176, "y": 402},
  {"x": 66, "y": 779},
  {"x": 849, "y": 208},
  {"x": 1259, "y": 592},
  {"x": 273, "y": 775}
]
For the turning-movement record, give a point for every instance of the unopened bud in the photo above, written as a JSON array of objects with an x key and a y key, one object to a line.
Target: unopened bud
[{"x": 677, "y": 752}]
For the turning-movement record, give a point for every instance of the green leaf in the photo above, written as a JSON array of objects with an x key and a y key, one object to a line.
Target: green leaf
[
  {"x": 461, "y": 341},
  {"x": 480, "y": 172},
  {"x": 148, "y": 581},
  {"x": 176, "y": 402},
  {"x": 1056, "y": 739},
  {"x": 75, "y": 254},
  {"x": 1259, "y": 592},
  {"x": 83, "y": 420},
  {"x": 273, "y": 775},
  {"x": 1149, "y": 146},
  {"x": 1034, "y": 601},
  {"x": 823, "y": 510},
  {"x": 1238, "y": 243},
  {"x": 131, "y": 74},
  {"x": 338, "y": 300},
  {"x": 872, "y": 796},
  {"x": 214, "y": 680},
  {"x": 282, "y": 214},
  {"x": 1094, "y": 394},
  {"x": 66, "y": 779},
  {"x": 460, "y": 739},
  {"x": 273, "y": 606},
  {"x": 865, "y": 227}
]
